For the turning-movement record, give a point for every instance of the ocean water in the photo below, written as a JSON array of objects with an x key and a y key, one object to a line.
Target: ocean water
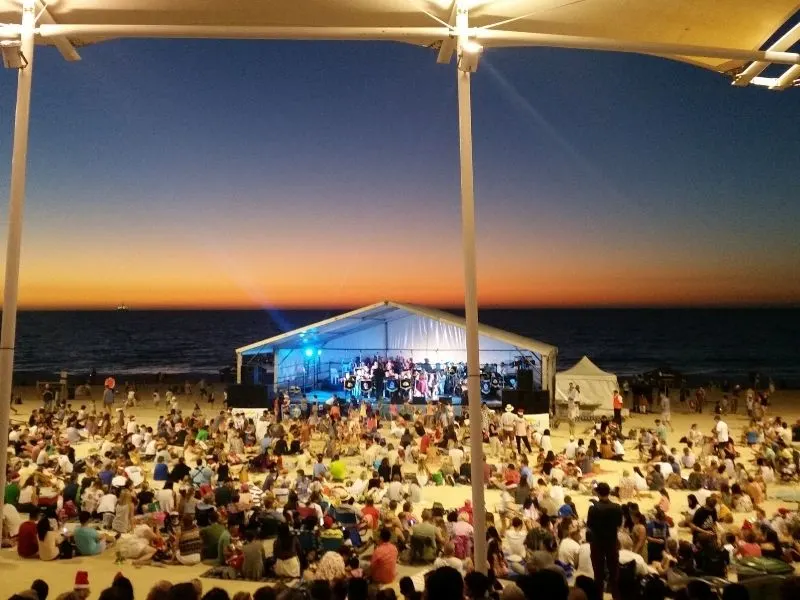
[{"x": 713, "y": 343}]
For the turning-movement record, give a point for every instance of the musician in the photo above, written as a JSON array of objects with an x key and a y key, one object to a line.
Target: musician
[{"x": 378, "y": 379}]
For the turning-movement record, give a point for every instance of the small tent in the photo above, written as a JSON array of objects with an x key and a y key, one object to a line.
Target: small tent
[{"x": 597, "y": 386}]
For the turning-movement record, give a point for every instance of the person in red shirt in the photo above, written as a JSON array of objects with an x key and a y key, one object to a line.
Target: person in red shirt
[
  {"x": 383, "y": 566},
  {"x": 27, "y": 540},
  {"x": 617, "y": 400},
  {"x": 424, "y": 443},
  {"x": 370, "y": 511}
]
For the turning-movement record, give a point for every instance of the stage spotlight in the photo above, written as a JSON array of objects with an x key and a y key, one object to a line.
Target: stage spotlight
[
  {"x": 309, "y": 352},
  {"x": 319, "y": 352}
]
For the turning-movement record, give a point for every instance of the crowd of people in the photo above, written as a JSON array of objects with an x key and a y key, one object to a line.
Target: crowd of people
[{"x": 340, "y": 493}]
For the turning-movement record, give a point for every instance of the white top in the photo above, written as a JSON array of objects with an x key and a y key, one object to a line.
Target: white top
[
  {"x": 569, "y": 450},
  {"x": 508, "y": 420},
  {"x": 108, "y": 503},
  {"x": 26, "y": 494},
  {"x": 395, "y": 491},
  {"x": 665, "y": 405},
  {"x": 545, "y": 443},
  {"x": 619, "y": 448},
  {"x": 515, "y": 541},
  {"x": 166, "y": 500},
  {"x": 11, "y": 519},
  {"x": 450, "y": 561},
  {"x": 583, "y": 561},
  {"x": 721, "y": 429},
  {"x": 522, "y": 426},
  {"x": 568, "y": 551},
  {"x": 626, "y": 556}
]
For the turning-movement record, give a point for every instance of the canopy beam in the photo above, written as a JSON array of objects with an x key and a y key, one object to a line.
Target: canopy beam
[
  {"x": 267, "y": 32},
  {"x": 63, "y": 45},
  {"x": 788, "y": 79},
  {"x": 786, "y": 41},
  {"x": 16, "y": 204},
  {"x": 448, "y": 46}
]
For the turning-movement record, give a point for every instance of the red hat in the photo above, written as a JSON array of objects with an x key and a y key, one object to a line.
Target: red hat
[{"x": 81, "y": 580}]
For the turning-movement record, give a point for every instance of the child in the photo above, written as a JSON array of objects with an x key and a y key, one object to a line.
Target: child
[
  {"x": 730, "y": 545},
  {"x": 354, "y": 568}
]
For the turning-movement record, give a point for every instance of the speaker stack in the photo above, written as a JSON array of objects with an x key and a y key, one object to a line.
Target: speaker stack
[
  {"x": 250, "y": 396},
  {"x": 525, "y": 397}
]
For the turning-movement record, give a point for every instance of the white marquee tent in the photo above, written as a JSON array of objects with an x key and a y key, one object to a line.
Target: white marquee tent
[
  {"x": 394, "y": 329},
  {"x": 597, "y": 386},
  {"x": 737, "y": 38}
]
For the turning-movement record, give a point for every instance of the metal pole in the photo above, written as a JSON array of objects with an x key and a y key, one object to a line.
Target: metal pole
[
  {"x": 15, "y": 210},
  {"x": 471, "y": 313}
]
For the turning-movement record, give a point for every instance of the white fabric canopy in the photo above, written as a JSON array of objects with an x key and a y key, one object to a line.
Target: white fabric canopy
[
  {"x": 394, "y": 329},
  {"x": 597, "y": 386},
  {"x": 601, "y": 24}
]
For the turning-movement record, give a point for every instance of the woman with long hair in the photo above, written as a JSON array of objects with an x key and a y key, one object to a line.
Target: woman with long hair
[
  {"x": 286, "y": 551},
  {"x": 28, "y": 495},
  {"x": 123, "y": 514},
  {"x": 49, "y": 539}
]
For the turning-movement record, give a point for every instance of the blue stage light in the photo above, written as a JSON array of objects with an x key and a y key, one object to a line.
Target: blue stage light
[
  {"x": 309, "y": 352},
  {"x": 319, "y": 352}
]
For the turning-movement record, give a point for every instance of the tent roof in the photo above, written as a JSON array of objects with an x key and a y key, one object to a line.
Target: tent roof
[
  {"x": 732, "y": 24},
  {"x": 585, "y": 369},
  {"x": 319, "y": 334}
]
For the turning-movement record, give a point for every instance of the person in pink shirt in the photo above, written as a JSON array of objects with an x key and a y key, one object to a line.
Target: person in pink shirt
[{"x": 383, "y": 566}]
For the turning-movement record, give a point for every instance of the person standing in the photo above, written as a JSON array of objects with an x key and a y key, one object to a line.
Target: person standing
[
  {"x": 573, "y": 406},
  {"x": 508, "y": 422},
  {"x": 603, "y": 521},
  {"x": 721, "y": 432},
  {"x": 666, "y": 415},
  {"x": 108, "y": 397},
  {"x": 618, "y": 403},
  {"x": 522, "y": 431}
]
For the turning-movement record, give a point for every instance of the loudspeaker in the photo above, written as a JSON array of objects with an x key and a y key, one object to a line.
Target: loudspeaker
[
  {"x": 536, "y": 403},
  {"x": 525, "y": 380},
  {"x": 250, "y": 396},
  {"x": 512, "y": 397},
  {"x": 532, "y": 403}
]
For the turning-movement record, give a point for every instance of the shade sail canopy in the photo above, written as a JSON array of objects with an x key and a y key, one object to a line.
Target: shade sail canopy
[
  {"x": 744, "y": 25},
  {"x": 597, "y": 386},
  {"x": 391, "y": 328}
]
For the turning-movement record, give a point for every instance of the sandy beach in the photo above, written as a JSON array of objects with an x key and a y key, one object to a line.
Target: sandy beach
[{"x": 18, "y": 573}]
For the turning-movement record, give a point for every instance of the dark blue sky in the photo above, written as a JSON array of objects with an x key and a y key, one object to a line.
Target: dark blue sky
[{"x": 289, "y": 168}]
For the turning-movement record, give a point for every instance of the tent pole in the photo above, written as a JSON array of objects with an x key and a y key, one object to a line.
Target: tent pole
[
  {"x": 471, "y": 309},
  {"x": 16, "y": 204}
]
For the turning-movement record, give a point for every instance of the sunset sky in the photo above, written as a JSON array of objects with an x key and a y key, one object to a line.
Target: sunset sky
[{"x": 256, "y": 174}]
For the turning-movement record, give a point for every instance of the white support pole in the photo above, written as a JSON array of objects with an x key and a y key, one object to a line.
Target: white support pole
[
  {"x": 471, "y": 304},
  {"x": 239, "y": 359},
  {"x": 15, "y": 212}
]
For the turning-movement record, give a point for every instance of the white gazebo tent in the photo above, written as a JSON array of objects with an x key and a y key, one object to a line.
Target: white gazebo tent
[
  {"x": 597, "y": 386},
  {"x": 395, "y": 329},
  {"x": 726, "y": 37}
]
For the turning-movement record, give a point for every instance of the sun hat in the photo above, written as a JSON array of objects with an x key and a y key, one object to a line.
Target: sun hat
[{"x": 509, "y": 408}]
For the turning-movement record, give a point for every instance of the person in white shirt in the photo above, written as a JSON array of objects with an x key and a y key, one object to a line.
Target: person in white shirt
[
  {"x": 666, "y": 415},
  {"x": 131, "y": 427},
  {"x": 556, "y": 493},
  {"x": 457, "y": 456},
  {"x": 626, "y": 555},
  {"x": 695, "y": 435},
  {"x": 546, "y": 443},
  {"x": 449, "y": 559},
  {"x": 573, "y": 406},
  {"x": 521, "y": 432},
  {"x": 515, "y": 538},
  {"x": 619, "y": 450},
  {"x": 508, "y": 423},
  {"x": 569, "y": 547},
  {"x": 570, "y": 449},
  {"x": 721, "y": 431},
  {"x": 688, "y": 459},
  {"x": 583, "y": 561},
  {"x": 394, "y": 491},
  {"x": 11, "y": 520}
]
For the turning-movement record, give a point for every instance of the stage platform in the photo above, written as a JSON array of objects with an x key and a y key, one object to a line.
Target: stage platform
[{"x": 326, "y": 397}]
